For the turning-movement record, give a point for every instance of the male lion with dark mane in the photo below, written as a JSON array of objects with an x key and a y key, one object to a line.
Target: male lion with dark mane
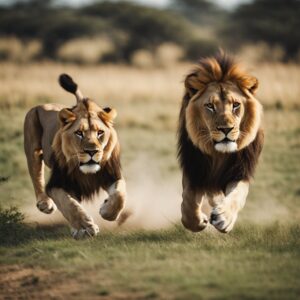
[
  {"x": 219, "y": 141},
  {"x": 81, "y": 147}
]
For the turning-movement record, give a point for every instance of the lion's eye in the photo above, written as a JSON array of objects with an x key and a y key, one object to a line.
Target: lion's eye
[
  {"x": 100, "y": 133},
  {"x": 210, "y": 106},
  {"x": 79, "y": 133},
  {"x": 236, "y": 105}
]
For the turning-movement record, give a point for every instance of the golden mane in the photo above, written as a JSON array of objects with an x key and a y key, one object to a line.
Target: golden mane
[
  {"x": 66, "y": 175},
  {"x": 219, "y": 68},
  {"x": 213, "y": 171},
  {"x": 81, "y": 147}
]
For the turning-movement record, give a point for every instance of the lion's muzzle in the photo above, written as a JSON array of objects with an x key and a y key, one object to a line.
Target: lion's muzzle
[
  {"x": 226, "y": 145},
  {"x": 225, "y": 139},
  {"x": 90, "y": 161}
]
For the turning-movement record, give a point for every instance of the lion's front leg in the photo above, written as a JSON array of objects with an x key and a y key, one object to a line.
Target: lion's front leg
[
  {"x": 82, "y": 223},
  {"x": 225, "y": 212},
  {"x": 113, "y": 205},
  {"x": 192, "y": 216}
]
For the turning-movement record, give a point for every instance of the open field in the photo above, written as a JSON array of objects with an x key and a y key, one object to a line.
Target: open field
[
  {"x": 253, "y": 262},
  {"x": 151, "y": 256}
]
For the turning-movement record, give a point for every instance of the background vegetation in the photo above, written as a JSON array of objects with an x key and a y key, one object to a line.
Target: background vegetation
[
  {"x": 47, "y": 30},
  {"x": 137, "y": 65}
]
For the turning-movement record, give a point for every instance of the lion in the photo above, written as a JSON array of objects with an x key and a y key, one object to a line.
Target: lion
[
  {"x": 81, "y": 147},
  {"x": 220, "y": 138}
]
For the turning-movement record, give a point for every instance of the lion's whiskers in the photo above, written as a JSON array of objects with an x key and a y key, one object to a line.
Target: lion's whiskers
[{"x": 205, "y": 138}]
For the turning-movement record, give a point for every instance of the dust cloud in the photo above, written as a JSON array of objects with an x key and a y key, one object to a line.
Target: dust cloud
[{"x": 153, "y": 201}]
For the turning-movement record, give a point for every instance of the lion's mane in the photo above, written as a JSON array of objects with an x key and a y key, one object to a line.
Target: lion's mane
[
  {"x": 213, "y": 171},
  {"x": 84, "y": 186}
]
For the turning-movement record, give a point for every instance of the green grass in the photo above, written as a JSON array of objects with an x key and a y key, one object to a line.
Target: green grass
[
  {"x": 253, "y": 262},
  {"x": 258, "y": 260}
]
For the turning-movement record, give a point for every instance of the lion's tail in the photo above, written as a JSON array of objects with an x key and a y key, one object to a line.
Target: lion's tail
[{"x": 67, "y": 83}]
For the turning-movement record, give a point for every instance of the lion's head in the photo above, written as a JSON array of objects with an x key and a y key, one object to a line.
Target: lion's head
[
  {"x": 219, "y": 110},
  {"x": 86, "y": 138}
]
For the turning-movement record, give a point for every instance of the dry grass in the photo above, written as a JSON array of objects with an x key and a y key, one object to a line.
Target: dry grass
[
  {"x": 258, "y": 260},
  {"x": 148, "y": 102},
  {"x": 109, "y": 84}
]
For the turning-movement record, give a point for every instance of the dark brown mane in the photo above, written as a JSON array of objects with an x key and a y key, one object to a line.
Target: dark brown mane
[
  {"x": 213, "y": 173},
  {"x": 84, "y": 186}
]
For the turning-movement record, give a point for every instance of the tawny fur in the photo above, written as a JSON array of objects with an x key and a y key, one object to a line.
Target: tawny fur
[
  {"x": 219, "y": 140},
  {"x": 51, "y": 138}
]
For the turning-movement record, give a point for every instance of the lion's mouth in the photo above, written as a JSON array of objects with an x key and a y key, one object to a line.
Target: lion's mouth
[
  {"x": 225, "y": 141},
  {"x": 226, "y": 145},
  {"x": 90, "y": 162},
  {"x": 90, "y": 167}
]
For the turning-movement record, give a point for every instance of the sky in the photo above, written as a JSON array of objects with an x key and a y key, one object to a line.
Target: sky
[{"x": 158, "y": 3}]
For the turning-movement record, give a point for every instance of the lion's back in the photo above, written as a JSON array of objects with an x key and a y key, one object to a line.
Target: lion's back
[{"x": 41, "y": 124}]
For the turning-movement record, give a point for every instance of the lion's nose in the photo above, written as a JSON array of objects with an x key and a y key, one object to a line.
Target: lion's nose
[
  {"x": 91, "y": 152},
  {"x": 226, "y": 130}
]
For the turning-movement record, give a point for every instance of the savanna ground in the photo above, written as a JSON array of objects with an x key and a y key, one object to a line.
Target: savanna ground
[{"x": 151, "y": 256}]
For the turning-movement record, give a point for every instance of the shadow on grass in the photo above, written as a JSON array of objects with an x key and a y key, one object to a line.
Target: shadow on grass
[
  {"x": 26, "y": 233},
  {"x": 13, "y": 230},
  {"x": 275, "y": 237}
]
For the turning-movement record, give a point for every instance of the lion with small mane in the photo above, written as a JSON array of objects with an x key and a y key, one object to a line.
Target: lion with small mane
[
  {"x": 81, "y": 147},
  {"x": 219, "y": 141}
]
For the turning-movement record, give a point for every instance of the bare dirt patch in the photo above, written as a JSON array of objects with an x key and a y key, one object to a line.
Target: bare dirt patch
[{"x": 17, "y": 282}]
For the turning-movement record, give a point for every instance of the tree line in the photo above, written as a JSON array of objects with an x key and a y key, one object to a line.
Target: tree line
[{"x": 199, "y": 27}]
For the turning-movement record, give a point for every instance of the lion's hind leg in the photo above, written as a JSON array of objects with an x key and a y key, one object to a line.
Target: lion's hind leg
[{"x": 33, "y": 149}]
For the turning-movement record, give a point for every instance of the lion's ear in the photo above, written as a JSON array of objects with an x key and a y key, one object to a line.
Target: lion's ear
[
  {"x": 66, "y": 116},
  {"x": 193, "y": 85},
  {"x": 108, "y": 114},
  {"x": 250, "y": 83},
  {"x": 111, "y": 112}
]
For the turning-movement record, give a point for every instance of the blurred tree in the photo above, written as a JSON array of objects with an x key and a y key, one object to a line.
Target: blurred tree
[
  {"x": 38, "y": 19},
  {"x": 146, "y": 28},
  {"x": 201, "y": 12},
  {"x": 275, "y": 22},
  {"x": 205, "y": 16},
  {"x": 130, "y": 26}
]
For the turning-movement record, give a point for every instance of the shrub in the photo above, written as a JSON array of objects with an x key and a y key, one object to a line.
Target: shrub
[
  {"x": 167, "y": 54},
  {"x": 12, "y": 48},
  {"x": 11, "y": 225},
  {"x": 143, "y": 59},
  {"x": 87, "y": 50}
]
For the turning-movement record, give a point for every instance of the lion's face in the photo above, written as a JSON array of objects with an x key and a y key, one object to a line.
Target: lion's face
[
  {"x": 222, "y": 118},
  {"x": 85, "y": 135}
]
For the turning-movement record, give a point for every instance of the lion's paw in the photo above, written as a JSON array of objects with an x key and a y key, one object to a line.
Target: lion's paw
[
  {"x": 223, "y": 217},
  {"x": 46, "y": 204},
  {"x": 87, "y": 232},
  {"x": 111, "y": 208},
  {"x": 195, "y": 224}
]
